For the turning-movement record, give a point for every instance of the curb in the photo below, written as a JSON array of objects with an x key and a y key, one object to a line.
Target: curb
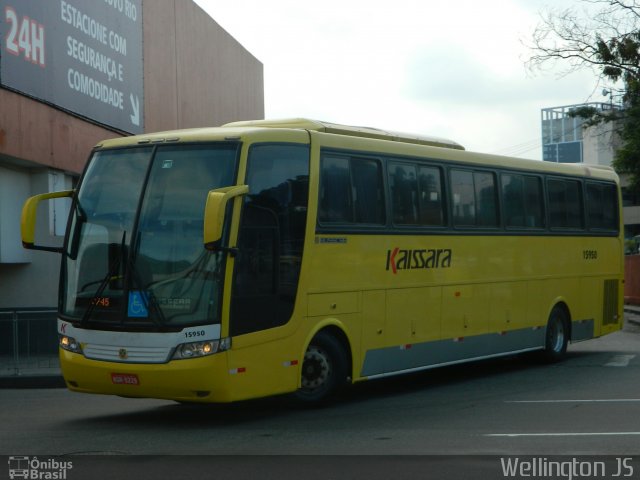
[{"x": 36, "y": 381}]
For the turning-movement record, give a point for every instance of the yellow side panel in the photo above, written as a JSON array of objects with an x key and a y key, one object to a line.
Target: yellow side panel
[
  {"x": 508, "y": 306},
  {"x": 374, "y": 307},
  {"x": 538, "y": 304},
  {"x": 568, "y": 291},
  {"x": 263, "y": 369},
  {"x": 465, "y": 310},
  {"x": 332, "y": 303},
  {"x": 413, "y": 315}
]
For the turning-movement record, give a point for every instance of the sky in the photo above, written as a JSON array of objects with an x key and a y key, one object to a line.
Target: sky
[{"x": 452, "y": 69}]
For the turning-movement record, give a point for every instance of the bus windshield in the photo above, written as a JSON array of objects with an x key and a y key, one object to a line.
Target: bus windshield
[{"x": 134, "y": 255}]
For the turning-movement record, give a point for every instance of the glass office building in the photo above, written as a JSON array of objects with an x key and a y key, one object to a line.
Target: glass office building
[{"x": 562, "y": 132}]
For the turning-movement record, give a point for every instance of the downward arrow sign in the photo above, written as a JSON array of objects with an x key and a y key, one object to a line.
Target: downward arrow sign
[{"x": 135, "y": 106}]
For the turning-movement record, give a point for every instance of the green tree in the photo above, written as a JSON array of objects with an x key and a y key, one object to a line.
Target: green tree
[{"x": 605, "y": 37}]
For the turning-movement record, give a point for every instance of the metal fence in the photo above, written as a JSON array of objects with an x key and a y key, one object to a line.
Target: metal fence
[{"x": 28, "y": 342}]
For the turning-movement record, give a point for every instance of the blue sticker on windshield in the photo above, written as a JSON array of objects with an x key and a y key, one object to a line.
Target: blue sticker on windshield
[{"x": 138, "y": 304}]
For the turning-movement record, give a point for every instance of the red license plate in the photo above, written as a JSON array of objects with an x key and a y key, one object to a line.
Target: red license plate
[{"x": 125, "y": 379}]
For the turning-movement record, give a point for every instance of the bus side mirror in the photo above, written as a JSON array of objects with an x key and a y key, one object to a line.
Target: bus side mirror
[
  {"x": 28, "y": 219},
  {"x": 214, "y": 212}
]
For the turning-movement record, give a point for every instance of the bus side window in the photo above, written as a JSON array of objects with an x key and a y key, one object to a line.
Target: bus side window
[
  {"x": 602, "y": 201},
  {"x": 513, "y": 195},
  {"x": 522, "y": 195},
  {"x": 416, "y": 199},
  {"x": 474, "y": 198},
  {"x": 351, "y": 191},
  {"x": 565, "y": 203},
  {"x": 368, "y": 191},
  {"x": 533, "y": 202},
  {"x": 335, "y": 191},
  {"x": 431, "y": 207},
  {"x": 404, "y": 194},
  {"x": 485, "y": 190}
]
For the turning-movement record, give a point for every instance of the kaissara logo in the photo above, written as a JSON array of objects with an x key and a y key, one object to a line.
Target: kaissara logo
[{"x": 399, "y": 259}]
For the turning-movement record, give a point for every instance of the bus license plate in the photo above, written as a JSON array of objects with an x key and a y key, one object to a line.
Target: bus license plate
[{"x": 125, "y": 379}]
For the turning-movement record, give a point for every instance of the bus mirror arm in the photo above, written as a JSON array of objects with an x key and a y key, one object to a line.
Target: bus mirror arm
[
  {"x": 28, "y": 219},
  {"x": 216, "y": 247},
  {"x": 214, "y": 215}
]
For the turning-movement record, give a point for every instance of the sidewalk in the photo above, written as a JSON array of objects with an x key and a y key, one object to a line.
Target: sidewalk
[{"x": 30, "y": 371}]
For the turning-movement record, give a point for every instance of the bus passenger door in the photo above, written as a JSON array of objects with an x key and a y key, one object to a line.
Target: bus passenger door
[
  {"x": 271, "y": 238},
  {"x": 255, "y": 286}
]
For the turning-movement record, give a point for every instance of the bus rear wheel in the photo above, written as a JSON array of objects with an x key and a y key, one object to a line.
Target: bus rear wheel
[
  {"x": 556, "y": 335},
  {"x": 324, "y": 369}
]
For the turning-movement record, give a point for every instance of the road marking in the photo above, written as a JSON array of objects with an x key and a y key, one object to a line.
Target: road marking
[
  {"x": 620, "y": 361},
  {"x": 603, "y": 400},
  {"x": 568, "y": 434}
]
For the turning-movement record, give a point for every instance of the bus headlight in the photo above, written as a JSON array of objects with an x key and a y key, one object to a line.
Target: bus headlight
[
  {"x": 70, "y": 344},
  {"x": 201, "y": 349}
]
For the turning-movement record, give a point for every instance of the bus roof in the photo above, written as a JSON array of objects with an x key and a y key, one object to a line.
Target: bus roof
[
  {"x": 337, "y": 129},
  {"x": 451, "y": 151}
]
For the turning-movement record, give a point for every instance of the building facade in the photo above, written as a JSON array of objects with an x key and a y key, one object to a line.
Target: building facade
[
  {"x": 563, "y": 133},
  {"x": 73, "y": 73}
]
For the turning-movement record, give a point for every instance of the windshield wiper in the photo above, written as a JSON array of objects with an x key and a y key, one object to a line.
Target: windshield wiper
[
  {"x": 113, "y": 269},
  {"x": 148, "y": 298}
]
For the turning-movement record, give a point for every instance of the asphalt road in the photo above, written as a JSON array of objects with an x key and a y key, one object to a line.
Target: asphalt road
[{"x": 588, "y": 404}]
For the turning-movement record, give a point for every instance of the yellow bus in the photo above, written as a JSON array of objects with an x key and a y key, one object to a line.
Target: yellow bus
[{"x": 266, "y": 257}]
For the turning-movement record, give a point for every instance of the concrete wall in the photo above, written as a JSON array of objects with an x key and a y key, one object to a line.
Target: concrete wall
[
  {"x": 196, "y": 74},
  {"x": 38, "y": 135}
]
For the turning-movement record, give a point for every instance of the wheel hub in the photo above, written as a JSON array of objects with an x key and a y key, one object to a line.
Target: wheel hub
[{"x": 316, "y": 368}]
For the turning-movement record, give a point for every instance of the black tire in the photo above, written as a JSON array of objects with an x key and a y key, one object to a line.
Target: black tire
[
  {"x": 324, "y": 369},
  {"x": 556, "y": 335}
]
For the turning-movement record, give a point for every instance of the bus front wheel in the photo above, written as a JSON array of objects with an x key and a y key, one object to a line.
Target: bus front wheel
[
  {"x": 556, "y": 336},
  {"x": 324, "y": 369}
]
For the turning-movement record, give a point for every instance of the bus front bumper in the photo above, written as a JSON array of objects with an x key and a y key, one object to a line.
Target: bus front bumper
[{"x": 204, "y": 379}]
